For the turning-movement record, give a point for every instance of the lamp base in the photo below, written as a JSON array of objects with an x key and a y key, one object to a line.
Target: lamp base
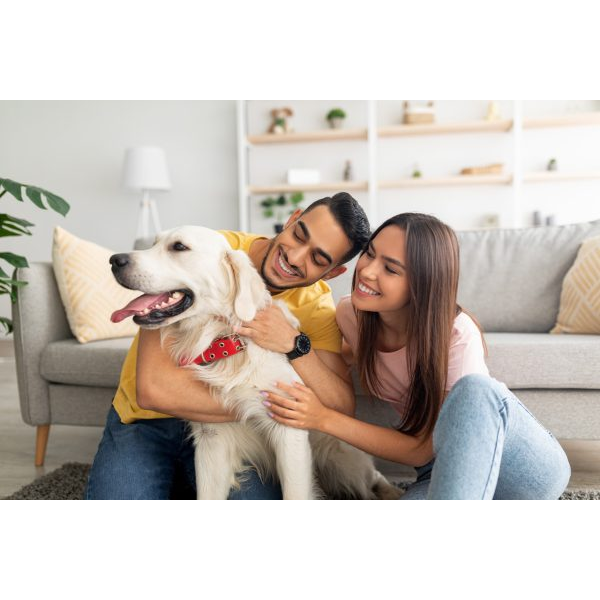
[{"x": 148, "y": 212}]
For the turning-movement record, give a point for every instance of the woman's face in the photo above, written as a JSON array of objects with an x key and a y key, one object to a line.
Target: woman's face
[{"x": 381, "y": 276}]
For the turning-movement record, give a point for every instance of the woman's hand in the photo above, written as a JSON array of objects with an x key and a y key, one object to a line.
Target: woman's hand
[{"x": 305, "y": 411}]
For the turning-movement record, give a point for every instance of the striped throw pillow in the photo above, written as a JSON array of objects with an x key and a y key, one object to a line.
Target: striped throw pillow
[
  {"x": 88, "y": 289},
  {"x": 579, "y": 310}
]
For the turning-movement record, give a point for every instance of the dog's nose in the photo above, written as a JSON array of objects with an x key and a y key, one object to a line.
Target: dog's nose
[{"x": 118, "y": 261}]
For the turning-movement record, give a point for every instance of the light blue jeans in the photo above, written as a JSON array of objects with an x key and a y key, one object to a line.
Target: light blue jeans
[{"x": 487, "y": 445}]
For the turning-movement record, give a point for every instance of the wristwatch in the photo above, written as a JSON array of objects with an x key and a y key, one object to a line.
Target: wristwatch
[{"x": 301, "y": 347}]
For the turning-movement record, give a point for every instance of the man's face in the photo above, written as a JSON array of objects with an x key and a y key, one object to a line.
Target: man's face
[{"x": 308, "y": 249}]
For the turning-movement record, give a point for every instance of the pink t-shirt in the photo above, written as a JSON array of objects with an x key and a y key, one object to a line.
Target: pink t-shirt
[{"x": 466, "y": 356}]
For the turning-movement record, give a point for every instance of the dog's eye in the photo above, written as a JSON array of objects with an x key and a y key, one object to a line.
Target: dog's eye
[{"x": 179, "y": 247}]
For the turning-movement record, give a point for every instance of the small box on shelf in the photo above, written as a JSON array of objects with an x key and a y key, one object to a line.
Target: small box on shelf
[{"x": 303, "y": 176}]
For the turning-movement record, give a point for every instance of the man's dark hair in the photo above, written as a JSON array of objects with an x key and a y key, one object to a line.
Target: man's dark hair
[{"x": 351, "y": 217}]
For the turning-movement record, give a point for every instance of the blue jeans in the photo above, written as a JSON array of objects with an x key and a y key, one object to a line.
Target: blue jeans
[
  {"x": 487, "y": 445},
  {"x": 153, "y": 459}
]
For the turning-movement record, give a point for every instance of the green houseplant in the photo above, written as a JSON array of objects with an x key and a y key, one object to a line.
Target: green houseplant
[
  {"x": 336, "y": 118},
  {"x": 11, "y": 226},
  {"x": 280, "y": 207}
]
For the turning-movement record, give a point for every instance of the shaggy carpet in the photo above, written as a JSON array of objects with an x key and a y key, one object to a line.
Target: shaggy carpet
[{"x": 68, "y": 483}]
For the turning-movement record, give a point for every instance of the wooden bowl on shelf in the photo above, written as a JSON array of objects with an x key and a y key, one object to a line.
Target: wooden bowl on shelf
[
  {"x": 495, "y": 169},
  {"x": 418, "y": 118}
]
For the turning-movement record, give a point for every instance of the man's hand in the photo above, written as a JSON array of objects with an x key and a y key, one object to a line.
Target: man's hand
[{"x": 270, "y": 330}]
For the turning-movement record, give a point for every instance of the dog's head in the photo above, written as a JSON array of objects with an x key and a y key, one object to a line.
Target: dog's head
[{"x": 190, "y": 271}]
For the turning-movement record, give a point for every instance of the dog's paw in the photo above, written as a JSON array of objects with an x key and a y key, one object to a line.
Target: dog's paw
[{"x": 384, "y": 490}]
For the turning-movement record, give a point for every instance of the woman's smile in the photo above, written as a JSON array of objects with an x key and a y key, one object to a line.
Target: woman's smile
[{"x": 363, "y": 289}]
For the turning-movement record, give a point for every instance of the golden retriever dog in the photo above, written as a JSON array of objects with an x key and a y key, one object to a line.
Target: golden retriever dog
[{"x": 197, "y": 289}]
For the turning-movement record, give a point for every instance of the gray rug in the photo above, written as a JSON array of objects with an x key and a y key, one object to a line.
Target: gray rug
[{"x": 68, "y": 483}]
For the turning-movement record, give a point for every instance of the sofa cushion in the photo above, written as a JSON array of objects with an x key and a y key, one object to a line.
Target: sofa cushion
[
  {"x": 579, "y": 310},
  {"x": 544, "y": 361},
  {"x": 93, "y": 364},
  {"x": 88, "y": 289},
  {"x": 511, "y": 278}
]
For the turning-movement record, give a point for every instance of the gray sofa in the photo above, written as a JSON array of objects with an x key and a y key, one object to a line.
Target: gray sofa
[{"x": 510, "y": 280}]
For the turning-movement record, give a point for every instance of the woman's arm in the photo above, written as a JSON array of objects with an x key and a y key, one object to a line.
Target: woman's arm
[
  {"x": 306, "y": 411},
  {"x": 327, "y": 371}
]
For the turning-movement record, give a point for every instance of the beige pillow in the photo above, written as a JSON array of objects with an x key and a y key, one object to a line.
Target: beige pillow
[
  {"x": 579, "y": 310},
  {"x": 88, "y": 289}
]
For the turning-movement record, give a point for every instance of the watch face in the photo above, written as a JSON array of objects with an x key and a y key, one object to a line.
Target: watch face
[{"x": 303, "y": 344}]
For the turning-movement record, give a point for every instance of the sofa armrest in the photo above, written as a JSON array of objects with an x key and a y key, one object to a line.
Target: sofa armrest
[{"x": 38, "y": 318}]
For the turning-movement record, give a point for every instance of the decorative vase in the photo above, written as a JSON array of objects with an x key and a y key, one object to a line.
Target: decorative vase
[
  {"x": 348, "y": 171},
  {"x": 336, "y": 122}
]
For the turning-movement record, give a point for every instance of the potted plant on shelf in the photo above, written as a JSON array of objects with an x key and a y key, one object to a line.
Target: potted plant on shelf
[
  {"x": 279, "y": 207},
  {"x": 336, "y": 118},
  {"x": 11, "y": 226}
]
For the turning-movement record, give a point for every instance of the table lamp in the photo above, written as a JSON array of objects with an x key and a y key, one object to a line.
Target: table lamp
[{"x": 145, "y": 169}]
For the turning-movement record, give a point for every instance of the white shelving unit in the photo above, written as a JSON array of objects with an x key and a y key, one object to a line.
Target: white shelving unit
[{"x": 371, "y": 136}]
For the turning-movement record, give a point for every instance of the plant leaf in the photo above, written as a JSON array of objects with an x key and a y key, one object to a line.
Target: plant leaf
[
  {"x": 13, "y": 226},
  {"x": 35, "y": 195},
  {"x": 9, "y": 286},
  {"x": 22, "y": 222},
  {"x": 12, "y": 282},
  {"x": 7, "y": 324},
  {"x": 12, "y": 187},
  {"x": 14, "y": 259},
  {"x": 56, "y": 203}
]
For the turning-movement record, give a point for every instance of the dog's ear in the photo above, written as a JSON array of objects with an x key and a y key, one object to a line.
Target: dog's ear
[{"x": 249, "y": 288}]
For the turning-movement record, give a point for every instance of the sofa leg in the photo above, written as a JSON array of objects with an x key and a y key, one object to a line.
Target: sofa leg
[{"x": 41, "y": 441}]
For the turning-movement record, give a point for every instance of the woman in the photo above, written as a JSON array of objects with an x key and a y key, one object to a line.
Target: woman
[{"x": 468, "y": 436}]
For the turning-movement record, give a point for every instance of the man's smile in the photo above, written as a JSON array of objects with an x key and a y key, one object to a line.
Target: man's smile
[{"x": 283, "y": 268}]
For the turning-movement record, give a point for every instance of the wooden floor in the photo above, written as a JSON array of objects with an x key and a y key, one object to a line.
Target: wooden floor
[{"x": 78, "y": 444}]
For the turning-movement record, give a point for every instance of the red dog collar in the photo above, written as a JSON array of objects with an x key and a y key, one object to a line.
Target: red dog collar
[{"x": 219, "y": 348}]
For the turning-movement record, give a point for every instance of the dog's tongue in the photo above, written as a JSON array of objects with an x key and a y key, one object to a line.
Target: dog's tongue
[{"x": 138, "y": 305}]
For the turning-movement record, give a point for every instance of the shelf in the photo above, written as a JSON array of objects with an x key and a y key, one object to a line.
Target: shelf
[
  {"x": 373, "y": 143},
  {"x": 436, "y": 128},
  {"x": 545, "y": 176},
  {"x": 446, "y": 181},
  {"x": 588, "y": 118},
  {"x": 284, "y": 188},
  {"x": 308, "y": 136}
]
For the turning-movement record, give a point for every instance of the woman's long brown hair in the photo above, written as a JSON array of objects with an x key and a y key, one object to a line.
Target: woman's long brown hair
[{"x": 432, "y": 263}]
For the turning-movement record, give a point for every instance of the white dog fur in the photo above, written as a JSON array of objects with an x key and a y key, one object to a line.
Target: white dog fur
[{"x": 227, "y": 290}]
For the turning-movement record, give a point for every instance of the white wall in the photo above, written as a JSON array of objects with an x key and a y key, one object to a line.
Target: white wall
[{"x": 75, "y": 149}]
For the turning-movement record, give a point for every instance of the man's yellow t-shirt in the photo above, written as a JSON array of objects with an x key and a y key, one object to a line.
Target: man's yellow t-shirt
[{"x": 313, "y": 306}]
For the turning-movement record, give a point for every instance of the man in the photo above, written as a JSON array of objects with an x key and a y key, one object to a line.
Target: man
[{"x": 144, "y": 450}]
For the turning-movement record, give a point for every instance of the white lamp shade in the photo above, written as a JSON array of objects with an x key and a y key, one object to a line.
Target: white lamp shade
[{"x": 145, "y": 168}]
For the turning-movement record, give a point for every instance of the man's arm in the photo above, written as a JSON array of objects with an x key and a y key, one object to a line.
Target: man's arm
[{"x": 164, "y": 387}]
